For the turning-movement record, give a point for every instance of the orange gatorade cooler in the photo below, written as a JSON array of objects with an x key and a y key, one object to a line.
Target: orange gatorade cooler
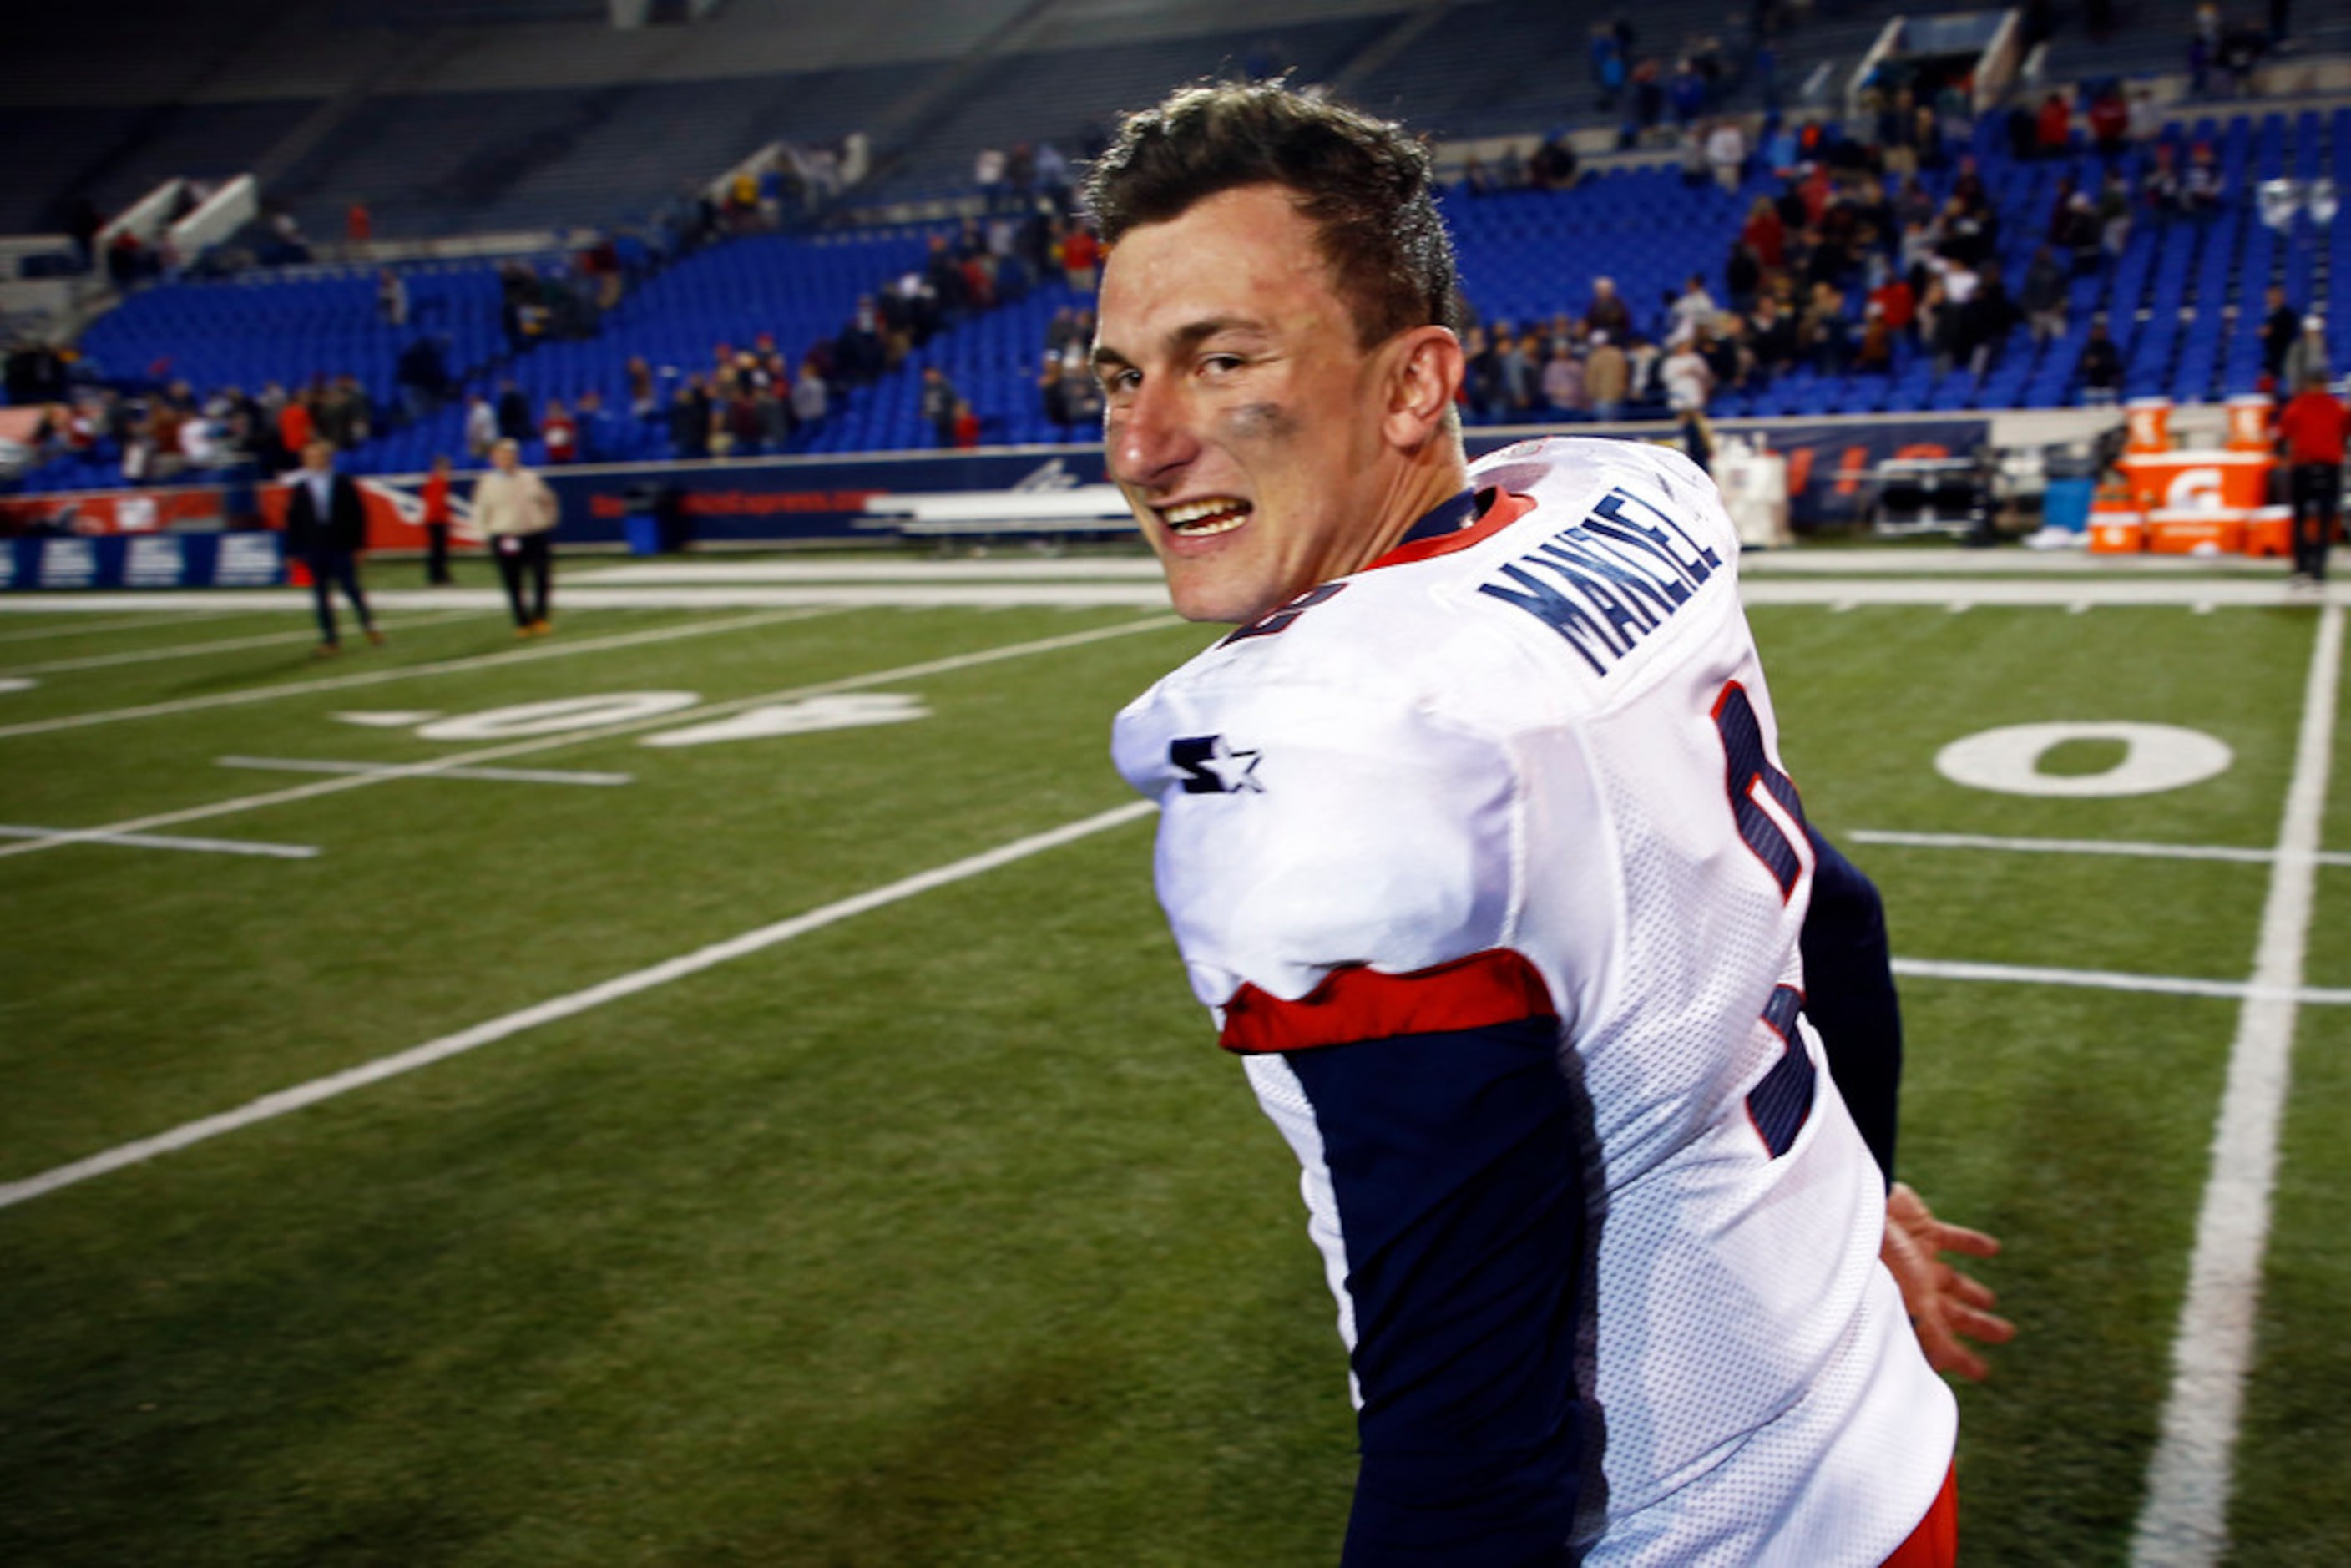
[
  {"x": 2269, "y": 531},
  {"x": 2249, "y": 423},
  {"x": 2149, "y": 422},
  {"x": 2195, "y": 533},
  {"x": 2204, "y": 479},
  {"x": 2116, "y": 529}
]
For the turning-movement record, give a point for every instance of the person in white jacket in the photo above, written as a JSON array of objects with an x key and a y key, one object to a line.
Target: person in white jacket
[{"x": 517, "y": 514}]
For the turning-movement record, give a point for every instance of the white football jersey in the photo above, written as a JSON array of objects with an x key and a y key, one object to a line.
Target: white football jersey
[{"x": 1547, "y": 737}]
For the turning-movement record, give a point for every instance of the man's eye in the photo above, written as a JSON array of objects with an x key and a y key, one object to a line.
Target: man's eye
[{"x": 1219, "y": 364}]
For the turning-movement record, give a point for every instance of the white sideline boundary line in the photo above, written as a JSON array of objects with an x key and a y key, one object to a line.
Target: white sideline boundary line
[
  {"x": 2184, "y": 1521},
  {"x": 160, "y": 842},
  {"x": 493, "y": 775},
  {"x": 403, "y": 671},
  {"x": 946, "y": 666},
  {"x": 226, "y": 645},
  {"x": 286, "y": 1101}
]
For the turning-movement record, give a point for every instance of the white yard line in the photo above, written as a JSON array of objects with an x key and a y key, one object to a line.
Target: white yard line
[
  {"x": 556, "y": 650},
  {"x": 582, "y": 736},
  {"x": 2117, "y": 980},
  {"x": 2079, "y": 847},
  {"x": 226, "y": 645},
  {"x": 286, "y": 1101},
  {"x": 159, "y": 842},
  {"x": 74, "y": 626},
  {"x": 2184, "y": 1521},
  {"x": 496, "y": 775}
]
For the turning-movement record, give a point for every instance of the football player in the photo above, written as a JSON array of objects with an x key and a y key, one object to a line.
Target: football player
[{"x": 1476, "y": 842}]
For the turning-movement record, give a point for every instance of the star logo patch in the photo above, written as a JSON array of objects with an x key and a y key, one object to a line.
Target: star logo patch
[{"x": 1211, "y": 767}]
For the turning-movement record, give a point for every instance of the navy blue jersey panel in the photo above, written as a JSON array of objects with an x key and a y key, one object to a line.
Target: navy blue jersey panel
[
  {"x": 1455, "y": 1163},
  {"x": 1849, "y": 995}
]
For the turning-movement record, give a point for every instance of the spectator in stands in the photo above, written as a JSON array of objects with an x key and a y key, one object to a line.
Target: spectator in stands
[
  {"x": 2310, "y": 430},
  {"x": 2201, "y": 187},
  {"x": 1773, "y": 336},
  {"x": 1607, "y": 377},
  {"x": 689, "y": 420},
  {"x": 644, "y": 397},
  {"x": 2110, "y": 120},
  {"x": 391, "y": 298},
  {"x": 2114, "y": 216},
  {"x": 2100, "y": 366},
  {"x": 1562, "y": 383},
  {"x": 810, "y": 396},
  {"x": 2043, "y": 296},
  {"x": 2306, "y": 357},
  {"x": 481, "y": 427},
  {"x": 1607, "y": 312},
  {"x": 359, "y": 224},
  {"x": 434, "y": 512},
  {"x": 2242, "y": 47},
  {"x": 1722, "y": 343},
  {"x": 295, "y": 426},
  {"x": 1873, "y": 353},
  {"x": 1989, "y": 316},
  {"x": 1081, "y": 256},
  {"x": 2054, "y": 127},
  {"x": 1825, "y": 331},
  {"x": 967, "y": 424},
  {"x": 1553, "y": 165},
  {"x": 937, "y": 404},
  {"x": 560, "y": 433},
  {"x": 2279, "y": 330},
  {"x": 1726, "y": 154},
  {"x": 2160, "y": 184},
  {"x": 1689, "y": 381},
  {"x": 517, "y": 513},
  {"x": 326, "y": 529},
  {"x": 1692, "y": 308},
  {"x": 2077, "y": 230}
]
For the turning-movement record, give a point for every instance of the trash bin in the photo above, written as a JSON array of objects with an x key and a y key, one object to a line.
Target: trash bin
[
  {"x": 644, "y": 532},
  {"x": 2066, "y": 504}
]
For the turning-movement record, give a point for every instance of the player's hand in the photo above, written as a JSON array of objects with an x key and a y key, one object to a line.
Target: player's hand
[{"x": 1945, "y": 1307}]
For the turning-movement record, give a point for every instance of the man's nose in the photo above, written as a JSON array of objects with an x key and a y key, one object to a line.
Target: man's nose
[{"x": 1149, "y": 437}]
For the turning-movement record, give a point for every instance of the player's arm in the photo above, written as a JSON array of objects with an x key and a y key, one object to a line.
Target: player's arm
[
  {"x": 1849, "y": 995},
  {"x": 1338, "y": 866},
  {"x": 1456, "y": 1185}
]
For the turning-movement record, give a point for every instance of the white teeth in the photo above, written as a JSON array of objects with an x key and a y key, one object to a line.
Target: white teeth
[{"x": 1216, "y": 514}]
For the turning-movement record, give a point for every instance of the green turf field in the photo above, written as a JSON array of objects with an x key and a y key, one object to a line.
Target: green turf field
[{"x": 924, "y": 1224}]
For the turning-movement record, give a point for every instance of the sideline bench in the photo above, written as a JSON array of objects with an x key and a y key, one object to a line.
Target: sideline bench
[{"x": 1048, "y": 516}]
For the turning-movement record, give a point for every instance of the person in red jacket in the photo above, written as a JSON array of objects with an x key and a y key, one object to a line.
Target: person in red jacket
[
  {"x": 2311, "y": 428},
  {"x": 435, "y": 500}
]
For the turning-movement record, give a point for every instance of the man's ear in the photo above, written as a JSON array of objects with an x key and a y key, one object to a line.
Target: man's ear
[{"x": 1425, "y": 375}]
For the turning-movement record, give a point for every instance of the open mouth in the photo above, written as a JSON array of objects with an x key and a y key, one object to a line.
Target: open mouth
[{"x": 1198, "y": 519}]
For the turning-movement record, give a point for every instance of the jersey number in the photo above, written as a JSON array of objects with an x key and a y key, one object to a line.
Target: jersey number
[{"x": 1778, "y": 1105}]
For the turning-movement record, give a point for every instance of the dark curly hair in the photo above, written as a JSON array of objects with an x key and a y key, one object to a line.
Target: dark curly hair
[{"x": 1365, "y": 183}]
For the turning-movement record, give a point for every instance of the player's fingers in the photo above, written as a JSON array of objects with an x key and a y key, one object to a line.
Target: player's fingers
[
  {"x": 1959, "y": 1238},
  {"x": 1945, "y": 1353},
  {"x": 1974, "y": 1292},
  {"x": 1988, "y": 1327}
]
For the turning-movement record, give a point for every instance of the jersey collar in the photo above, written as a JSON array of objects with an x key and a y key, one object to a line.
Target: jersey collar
[{"x": 1466, "y": 519}]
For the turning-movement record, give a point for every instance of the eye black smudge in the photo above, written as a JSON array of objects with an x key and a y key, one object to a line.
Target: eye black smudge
[{"x": 1262, "y": 420}]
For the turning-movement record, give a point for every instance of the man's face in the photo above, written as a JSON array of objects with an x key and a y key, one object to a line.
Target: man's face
[
  {"x": 317, "y": 457},
  {"x": 1241, "y": 420},
  {"x": 507, "y": 459}
]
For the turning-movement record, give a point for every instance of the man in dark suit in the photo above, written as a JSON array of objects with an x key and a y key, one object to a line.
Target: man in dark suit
[{"x": 326, "y": 529}]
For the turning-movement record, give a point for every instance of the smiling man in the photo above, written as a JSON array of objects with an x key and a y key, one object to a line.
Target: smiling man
[{"x": 1475, "y": 844}]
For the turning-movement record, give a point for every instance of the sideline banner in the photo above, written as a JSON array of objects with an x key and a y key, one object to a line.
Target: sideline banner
[{"x": 143, "y": 561}]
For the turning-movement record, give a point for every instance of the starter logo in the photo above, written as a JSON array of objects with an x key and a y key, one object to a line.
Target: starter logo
[{"x": 1211, "y": 767}]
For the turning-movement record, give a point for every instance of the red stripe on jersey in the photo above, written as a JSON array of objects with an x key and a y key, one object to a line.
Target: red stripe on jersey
[
  {"x": 1507, "y": 509},
  {"x": 1357, "y": 1003}
]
